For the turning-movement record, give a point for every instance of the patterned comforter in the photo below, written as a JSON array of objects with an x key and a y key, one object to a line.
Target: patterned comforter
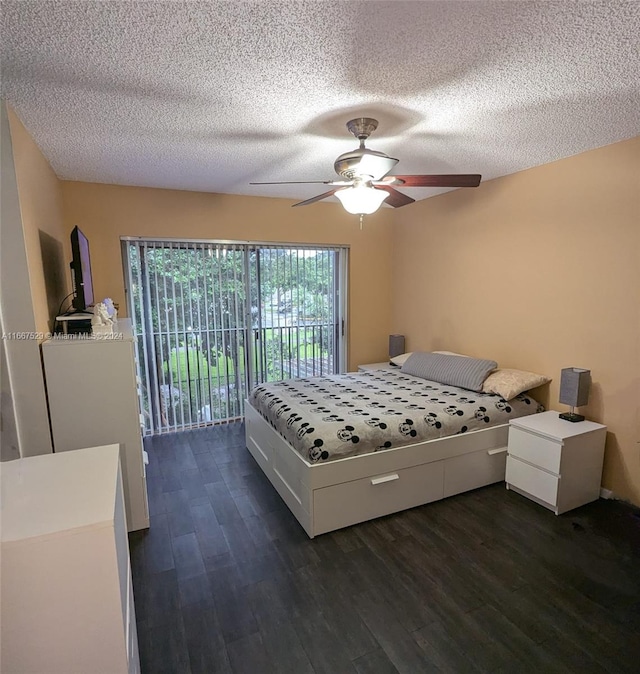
[{"x": 335, "y": 416}]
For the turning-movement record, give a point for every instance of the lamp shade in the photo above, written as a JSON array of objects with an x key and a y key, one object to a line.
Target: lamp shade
[
  {"x": 575, "y": 383},
  {"x": 361, "y": 199},
  {"x": 396, "y": 345}
]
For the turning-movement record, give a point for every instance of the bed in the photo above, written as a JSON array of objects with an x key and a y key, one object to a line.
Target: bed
[{"x": 344, "y": 449}]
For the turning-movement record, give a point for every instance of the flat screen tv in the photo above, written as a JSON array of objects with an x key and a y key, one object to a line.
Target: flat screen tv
[{"x": 81, "y": 270}]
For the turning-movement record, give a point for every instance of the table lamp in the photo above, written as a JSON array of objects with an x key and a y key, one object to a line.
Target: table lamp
[
  {"x": 396, "y": 345},
  {"x": 574, "y": 391}
]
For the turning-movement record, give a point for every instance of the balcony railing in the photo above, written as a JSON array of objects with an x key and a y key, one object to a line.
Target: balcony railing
[{"x": 201, "y": 376}]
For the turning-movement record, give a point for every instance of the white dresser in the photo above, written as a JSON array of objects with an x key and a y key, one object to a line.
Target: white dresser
[
  {"x": 555, "y": 462},
  {"x": 67, "y": 598},
  {"x": 93, "y": 400}
]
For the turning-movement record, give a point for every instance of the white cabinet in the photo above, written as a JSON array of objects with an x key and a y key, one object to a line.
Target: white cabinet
[
  {"x": 555, "y": 462},
  {"x": 370, "y": 367},
  {"x": 67, "y": 598},
  {"x": 93, "y": 400}
]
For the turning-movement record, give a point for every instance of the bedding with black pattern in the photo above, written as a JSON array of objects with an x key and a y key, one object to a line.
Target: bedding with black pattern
[{"x": 335, "y": 416}]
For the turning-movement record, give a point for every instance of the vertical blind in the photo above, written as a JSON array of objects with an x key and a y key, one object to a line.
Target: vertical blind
[{"x": 214, "y": 318}]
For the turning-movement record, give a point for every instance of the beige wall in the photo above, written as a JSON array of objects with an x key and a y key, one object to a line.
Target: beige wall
[
  {"x": 106, "y": 212},
  {"x": 46, "y": 239},
  {"x": 538, "y": 270}
]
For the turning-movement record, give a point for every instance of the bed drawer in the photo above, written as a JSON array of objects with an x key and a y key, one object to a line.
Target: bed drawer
[
  {"x": 533, "y": 481},
  {"x": 473, "y": 470},
  {"x": 535, "y": 449},
  {"x": 344, "y": 504}
]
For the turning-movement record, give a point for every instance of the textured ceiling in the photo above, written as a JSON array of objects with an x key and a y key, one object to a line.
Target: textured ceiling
[{"x": 212, "y": 95}]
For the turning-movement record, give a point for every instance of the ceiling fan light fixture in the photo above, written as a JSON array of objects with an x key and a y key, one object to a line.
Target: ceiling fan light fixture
[{"x": 361, "y": 199}]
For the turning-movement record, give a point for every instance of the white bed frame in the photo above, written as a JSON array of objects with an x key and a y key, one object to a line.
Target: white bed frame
[{"x": 328, "y": 496}]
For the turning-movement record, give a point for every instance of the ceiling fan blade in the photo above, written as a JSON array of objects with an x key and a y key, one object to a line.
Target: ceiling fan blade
[
  {"x": 395, "y": 198},
  {"x": 340, "y": 183},
  {"x": 297, "y": 182},
  {"x": 376, "y": 166},
  {"x": 314, "y": 199},
  {"x": 453, "y": 180}
]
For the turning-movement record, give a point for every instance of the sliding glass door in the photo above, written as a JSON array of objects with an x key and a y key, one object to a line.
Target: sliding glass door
[
  {"x": 297, "y": 314},
  {"x": 214, "y": 318}
]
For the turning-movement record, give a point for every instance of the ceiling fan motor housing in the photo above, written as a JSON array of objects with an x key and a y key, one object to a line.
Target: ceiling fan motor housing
[{"x": 347, "y": 165}]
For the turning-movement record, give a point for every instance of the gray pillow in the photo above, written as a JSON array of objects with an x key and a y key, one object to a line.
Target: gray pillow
[{"x": 461, "y": 371}]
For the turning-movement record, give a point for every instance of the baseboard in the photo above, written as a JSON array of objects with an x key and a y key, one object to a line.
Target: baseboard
[{"x": 607, "y": 494}]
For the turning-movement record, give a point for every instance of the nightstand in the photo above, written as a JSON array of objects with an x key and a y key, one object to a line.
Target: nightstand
[
  {"x": 370, "y": 367},
  {"x": 554, "y": 462}
]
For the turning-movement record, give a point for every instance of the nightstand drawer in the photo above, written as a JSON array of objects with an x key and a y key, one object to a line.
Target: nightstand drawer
[
  {"x": 532, "y": 480},
  {"x": 535, "y": 449}
]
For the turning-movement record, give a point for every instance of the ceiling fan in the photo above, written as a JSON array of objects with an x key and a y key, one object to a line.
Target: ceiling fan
[{"x": 365, "y": 181}]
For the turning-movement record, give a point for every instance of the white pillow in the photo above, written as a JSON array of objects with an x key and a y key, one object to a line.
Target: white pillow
[
  {"x": 451, "y": 353},
  {"x": 509, "y": 383},
  {"x": 399, "y": 360}
]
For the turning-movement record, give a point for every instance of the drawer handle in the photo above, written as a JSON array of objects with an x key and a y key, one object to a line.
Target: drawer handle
[
  {"x": 500, "y": 450},
  {"x": 386, "y": 478}
]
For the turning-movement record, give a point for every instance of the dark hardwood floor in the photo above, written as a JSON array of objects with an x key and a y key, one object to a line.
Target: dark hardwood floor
[{"x": 226, "y": 580}]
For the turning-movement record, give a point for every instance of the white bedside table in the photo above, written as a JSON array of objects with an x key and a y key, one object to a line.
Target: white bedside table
[
  {"x": 554, "y": 462},
  {"x": 370, "y": 367}
]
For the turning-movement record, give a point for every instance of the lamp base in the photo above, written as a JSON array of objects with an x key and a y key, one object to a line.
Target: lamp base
[{"x": 571, "y": 416}]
